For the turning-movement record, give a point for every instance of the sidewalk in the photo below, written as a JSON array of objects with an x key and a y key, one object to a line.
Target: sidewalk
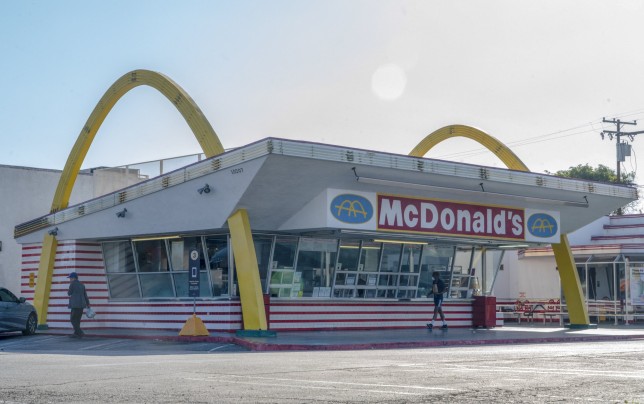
[{"x": 386, "y": 339}]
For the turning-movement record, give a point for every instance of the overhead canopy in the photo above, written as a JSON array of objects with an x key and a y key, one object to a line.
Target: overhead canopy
[{"x": 288, "y": 185}]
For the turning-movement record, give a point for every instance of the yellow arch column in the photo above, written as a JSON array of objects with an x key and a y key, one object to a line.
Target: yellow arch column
[
  {"x": 250, "y": 285},
  {"x": 200, "y": 126},
  {"x": 563, "y": 255},
  {"x": 491, "y": 143}
]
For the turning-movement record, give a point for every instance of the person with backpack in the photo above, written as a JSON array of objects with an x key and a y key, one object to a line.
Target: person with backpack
[{"x": 438, "y": 288}]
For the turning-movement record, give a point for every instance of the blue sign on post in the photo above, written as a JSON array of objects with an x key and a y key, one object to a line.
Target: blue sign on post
[{"x": 193, "y": 275}]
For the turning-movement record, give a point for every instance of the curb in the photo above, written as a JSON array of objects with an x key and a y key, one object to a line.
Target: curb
[
  {"x": 273, "y": 347},
  {"x": 265, "y": 347}
]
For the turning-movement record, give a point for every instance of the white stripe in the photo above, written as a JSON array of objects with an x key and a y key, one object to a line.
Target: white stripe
[
  {"x": 87, "y": 348},
  {"x": 219, "y": 347},
  {"x": 306, "y": 381}
]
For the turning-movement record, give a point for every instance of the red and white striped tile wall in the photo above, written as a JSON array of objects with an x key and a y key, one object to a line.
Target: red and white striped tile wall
[
  {"x": 86, "y": 259},
  {"x": 300, "y": 316}
]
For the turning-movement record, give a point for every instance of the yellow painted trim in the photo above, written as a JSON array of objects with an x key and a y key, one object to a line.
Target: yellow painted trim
[
  {"x": 250, "y": 286},
  {"x": 491, "y": 143},
  {"x": 198, "y": 123},
  {"x": 45, "y": 273},
  {"x": 563, "y": 254},
  {"x": 570, "y": 282}
]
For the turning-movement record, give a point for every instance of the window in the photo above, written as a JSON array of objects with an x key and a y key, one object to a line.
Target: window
[
  {"x": 349, "y": 254},
  {"x": 123, "y": 286},
  {"x": 120, "y": 268},
  {"x": 151, "y": 256},
  {"x": 159, "y": 268},
  {"x": 315, "y": 261},
  {"x": 263, "y": 245},
  {"x": 219, "y": 263},
  {"x": 180, "y": 257},
  {"x": 284, "y": 253},
  {"x": 391, "y": 257},
  {"x": 6, "y": 296},
  {"x": 409, "y": 271},
  {"x": 370, "y": 257},
  {"x": 439, "y": 258},
  {"x": 118, "y": 257}
]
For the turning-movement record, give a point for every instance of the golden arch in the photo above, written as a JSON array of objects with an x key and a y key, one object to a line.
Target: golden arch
[
  {"x": 200, "y": 126},
  {"x": 563, "y": 255},
  {"x": 491, "y": 143}
]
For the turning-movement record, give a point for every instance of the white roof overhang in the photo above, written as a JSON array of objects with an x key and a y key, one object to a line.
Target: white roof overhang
[{"x": 277, "y": 180}]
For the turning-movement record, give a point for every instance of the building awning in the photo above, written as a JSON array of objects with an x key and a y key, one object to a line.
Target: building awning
[{"x": 288, "y": 185}]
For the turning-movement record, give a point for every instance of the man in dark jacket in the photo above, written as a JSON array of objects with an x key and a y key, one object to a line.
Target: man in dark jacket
[{"x": 78, "y": 301}]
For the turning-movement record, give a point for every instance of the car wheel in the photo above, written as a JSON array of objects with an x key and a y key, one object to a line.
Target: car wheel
[{"x": 32, "y": 323}]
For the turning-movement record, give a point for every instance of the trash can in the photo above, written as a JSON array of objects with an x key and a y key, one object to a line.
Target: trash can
[{"x": 484, "y": 311}]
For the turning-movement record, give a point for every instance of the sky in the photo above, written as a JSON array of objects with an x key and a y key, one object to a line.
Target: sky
[{"x": 373, "y": 74}]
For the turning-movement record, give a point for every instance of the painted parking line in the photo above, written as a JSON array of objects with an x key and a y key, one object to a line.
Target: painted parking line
[
  {"x": 220, "y": 347},
  {"x": 550, "y": 371},
  {"x": 311, "y": 382},
  {"x": 103, "y": 345},
  {"x": 29, "y": 340}
]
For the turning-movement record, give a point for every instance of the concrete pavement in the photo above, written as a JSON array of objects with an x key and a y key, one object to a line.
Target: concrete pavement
[{"x": 386, "y": 339}]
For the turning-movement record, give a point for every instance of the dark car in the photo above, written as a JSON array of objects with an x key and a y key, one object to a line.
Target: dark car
[{"x": 16, "y": 314}]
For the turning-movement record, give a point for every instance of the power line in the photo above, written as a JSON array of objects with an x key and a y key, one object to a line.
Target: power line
[{"x": 542, "y": 138}]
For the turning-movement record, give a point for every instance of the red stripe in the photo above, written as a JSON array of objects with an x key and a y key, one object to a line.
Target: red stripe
[
  {"x": 362, "y": 320},
  {"x": 332, "y": 304},
  {"x": 78, "y": 259},
  {"x": 324, "y": 313},
  {"x": 393, "y": 327},
  {"x": 143, "y": 321},
  {"x": 138, "y": 313},
  {"x": 178, "y": 305}
]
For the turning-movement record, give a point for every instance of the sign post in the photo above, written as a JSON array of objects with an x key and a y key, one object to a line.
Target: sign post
[
  {"x": 193, "y": 277},
  {"x": 194, "y": 326}
]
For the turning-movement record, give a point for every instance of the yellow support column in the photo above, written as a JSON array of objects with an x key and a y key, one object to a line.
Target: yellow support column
[
  {"x": 570, "y": 284},
  {"x": 45, "y": 274},
  {"x": 250, "y": 286}
]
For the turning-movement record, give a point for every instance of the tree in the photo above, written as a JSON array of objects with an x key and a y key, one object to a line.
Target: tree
[{"x": 600, "y": 173}]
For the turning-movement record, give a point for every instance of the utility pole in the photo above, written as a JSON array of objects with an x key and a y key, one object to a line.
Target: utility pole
[{"x": 623, "y": 148}]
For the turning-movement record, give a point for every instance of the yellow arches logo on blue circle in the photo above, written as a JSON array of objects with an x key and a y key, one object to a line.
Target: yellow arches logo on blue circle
[
  {"x": 353, "y": 209},
  {"x": 542, "y": 225}
]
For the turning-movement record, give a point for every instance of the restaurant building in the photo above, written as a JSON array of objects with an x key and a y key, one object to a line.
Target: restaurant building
[
  {"x": 344, "y": 238},
  {"x": 292, "y": 235}
]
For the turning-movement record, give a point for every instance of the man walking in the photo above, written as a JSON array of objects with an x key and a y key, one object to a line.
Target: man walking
[
  {"x": 78, "y": 301},
  {"x": 438, "y": 288}
]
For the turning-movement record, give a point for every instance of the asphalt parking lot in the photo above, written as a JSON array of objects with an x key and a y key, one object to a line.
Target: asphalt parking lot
[
  {"x": 51, "y": 344},
  {"x": 56, "y": 368}
]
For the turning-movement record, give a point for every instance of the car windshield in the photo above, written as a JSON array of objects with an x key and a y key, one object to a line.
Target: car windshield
[{"x": 6, "y": 296}]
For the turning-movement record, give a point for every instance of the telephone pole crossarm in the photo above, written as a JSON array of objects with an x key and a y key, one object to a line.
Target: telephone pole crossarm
[{"x": 623, "y": 148}]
